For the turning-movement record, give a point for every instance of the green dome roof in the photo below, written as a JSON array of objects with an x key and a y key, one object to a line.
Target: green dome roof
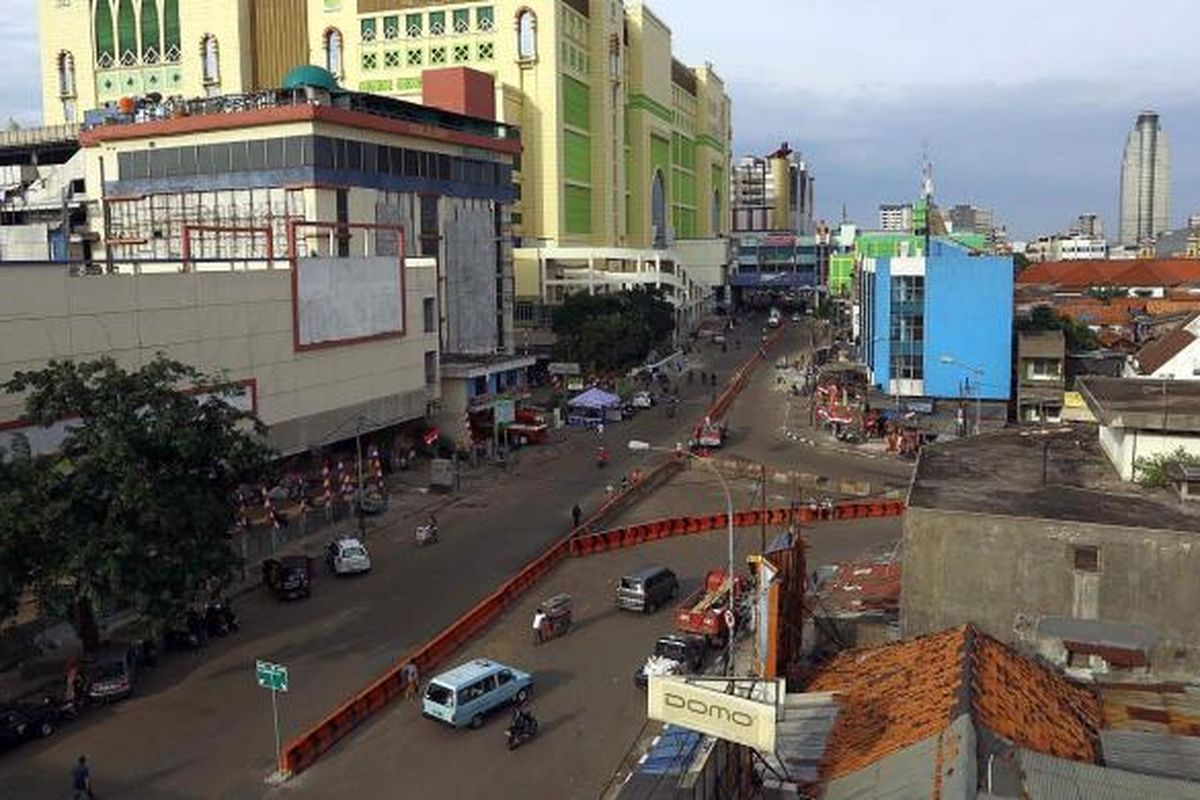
[{"x": 310, "y": 75}]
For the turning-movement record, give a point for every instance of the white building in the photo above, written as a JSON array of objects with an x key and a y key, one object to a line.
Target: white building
[
  {"x": 1173, "y": 356},
  {"x": 1066, "y": 247},
  {"x": 1141, "y": 418},
  {"x": 1145, "y": 182},
  {"x": 896, "y": 217}
]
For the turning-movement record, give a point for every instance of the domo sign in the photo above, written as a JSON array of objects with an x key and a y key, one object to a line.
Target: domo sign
[{"x": 725, "y": 716}]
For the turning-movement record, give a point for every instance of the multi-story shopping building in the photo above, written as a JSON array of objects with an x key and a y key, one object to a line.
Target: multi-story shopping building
[
  {"x": 623, "y": 179},
  {"x": 774, "y": 193},
  {"x": 1145, "y": 182},
  {"x": 344, "y": 257}
]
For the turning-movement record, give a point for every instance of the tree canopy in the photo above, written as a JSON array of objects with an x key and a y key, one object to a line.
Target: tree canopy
[
  {"x": 1079, "y": 337},
  {"x": 613, "y": 330},
  {"x": 134, "y": 509}
]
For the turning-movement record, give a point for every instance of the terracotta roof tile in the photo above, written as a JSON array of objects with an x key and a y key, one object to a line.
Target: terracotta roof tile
[
  {"x": 899, "y": 694},
  {"x": 1155, "y": 708},
  {"x": 1156, "y": 353},
  {"x": 1144, "y": 272}
]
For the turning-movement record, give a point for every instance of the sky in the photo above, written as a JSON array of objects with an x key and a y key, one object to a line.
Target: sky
[{"x": 1022, "y": 105}]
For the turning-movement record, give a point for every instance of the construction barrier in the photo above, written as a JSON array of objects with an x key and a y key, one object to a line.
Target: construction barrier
[
  {"x": 302, "y": 751},
  {"x": 642, "y": 532}
]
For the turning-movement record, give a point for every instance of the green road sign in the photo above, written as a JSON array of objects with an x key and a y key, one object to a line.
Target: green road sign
[{"x": 271, "y": 676}]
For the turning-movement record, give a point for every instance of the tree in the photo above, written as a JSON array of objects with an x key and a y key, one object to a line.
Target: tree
[
  {"x": 614, "y": 330},
  {"x": 134, "y": 510},
  {"x": 1020, "y": 262},
  {"x": 1159, "y": 470},
  {"x": 1079, "y": 337}
]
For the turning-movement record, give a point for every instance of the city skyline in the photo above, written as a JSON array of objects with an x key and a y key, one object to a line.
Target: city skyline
[{"x": 1001, "y": 113}]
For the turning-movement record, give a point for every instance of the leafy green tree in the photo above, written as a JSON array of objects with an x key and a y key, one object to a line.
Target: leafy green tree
[
  {"x": 1157, "y": 471},
  {"x": 614, "y": 330},
  {"x": 134, "y": 510},
  {"x": 1079, "y": 337}
]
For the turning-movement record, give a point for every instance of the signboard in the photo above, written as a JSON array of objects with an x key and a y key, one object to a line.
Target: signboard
[
  {"x": 708, "y": 710},
  {"x": 565, "y": 368},
  {"x": 271, "y": 676},
  {"x": 505, "y": 411},
  {"x": 575, "y": 384}
]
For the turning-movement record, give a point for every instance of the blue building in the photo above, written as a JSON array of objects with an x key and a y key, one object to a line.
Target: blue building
[{"x": 938, "y": 326}]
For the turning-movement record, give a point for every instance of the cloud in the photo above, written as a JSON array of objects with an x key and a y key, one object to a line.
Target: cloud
[
  {"x": 21, "y": 89},
  {"x": 1038, "y": 154}
]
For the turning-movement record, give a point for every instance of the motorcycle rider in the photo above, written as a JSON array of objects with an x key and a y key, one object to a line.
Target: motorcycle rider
[{"x": 522, "y": 722}]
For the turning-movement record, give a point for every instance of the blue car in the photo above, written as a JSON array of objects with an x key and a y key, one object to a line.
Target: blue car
[{"x": 466, "y": 694}]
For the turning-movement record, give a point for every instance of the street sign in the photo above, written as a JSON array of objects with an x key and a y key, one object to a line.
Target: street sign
[{"x": 271, "y": 676}]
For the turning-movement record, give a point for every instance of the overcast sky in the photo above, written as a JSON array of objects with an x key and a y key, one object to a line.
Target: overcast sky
[{"x": 1023, "y": 105}]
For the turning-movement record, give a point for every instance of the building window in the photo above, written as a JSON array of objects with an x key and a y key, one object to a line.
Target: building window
[
  {"x": 484, "y": 19},
  {"x": 171, "y": 36},
  {"x": 658, "y": 208},
  {"x": 414, "y": 57},
  {"x": 429, "y": 310},
  {"x": 151, "y": 44},
  {"x": 413, "y": 25},
  {"x": 526, "y": 35},
  {"x": 1043, "y": 369},
  {"x": 370, "y": 61},
  {"x": 462, "y": 53},
  {"x": 391, "y": 58},
  {"x": 437, "y": 55},
  {"x": 908, "y": 367},
  {"x": 430, "y": 227},
  {"x": 487, "y": 51},
  {"x": 437, "y": 23},
  {"x": 431, "y": 367},
  {"x": 106, "y": 43},
  {"x": 333, "y": 51},
  {"x": 367, "y": 27},
  {"x": 210, "y": 60},
  {"x": 127, "y": 46},
  {"x": 461, "y": 17},
  {"x": 66, "y": 74},
  {"x": 391, "y": 27},
  {"x": 1086, "y": 558},
  {"x": 716, "y": 213}
]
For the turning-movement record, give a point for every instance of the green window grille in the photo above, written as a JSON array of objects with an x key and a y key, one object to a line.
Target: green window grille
[
  {"x": 391, "y": 27},
  {"x": 391, "y": 59},
  {"x": 415, "y": 57},
  {"x": 171, "y": 38},
  {"x": 578, "y": 209},
  {"x": 127, "y": 45},
  {"x": 576, "y": 103},
  {"x": 485, "y": 18},
  {"x": 487, "y": 51},
  {"x": 461, "y": 18},
  {"x": 437, "y": 55},
  {"x": 151, "y": 44},
  {"x": 367, "y": 26},
  {"x": 106, "y": 45},
  {"x": 370, "y": 61},
  {"x": 462, "y": 53},
  {"x": 437, "y": 23},
  {"x": 413, "y": 25},
  {"x": 577, "y": 157}
]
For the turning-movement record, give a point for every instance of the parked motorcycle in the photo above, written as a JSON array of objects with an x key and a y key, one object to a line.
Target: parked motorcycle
[
  {"x": 220, "y": 619},
  {"x": 190, "y": 633},
  {"x": 523, "y": 728}
]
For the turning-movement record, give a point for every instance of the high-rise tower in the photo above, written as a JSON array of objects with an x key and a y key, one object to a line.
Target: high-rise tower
[{"x": 1145, "y": 182}]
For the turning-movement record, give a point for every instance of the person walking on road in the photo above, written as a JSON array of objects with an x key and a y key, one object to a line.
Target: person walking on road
[
  {"x": 81, "y": 780},
  {"x": 539, "y": 620},
  {"x": 576, "y": 515},
  {"x": 412, "y": 680}
]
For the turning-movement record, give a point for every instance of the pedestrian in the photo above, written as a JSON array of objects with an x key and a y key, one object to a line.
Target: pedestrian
[
  {"x": 576, "y": 515},
  {"x": 412, "y": 680},
  {"x": 81, "y": 780},
  {"x": 624, "y": 484},
  {"x": 600, "y": 429},
  {"x": 539, "y": 619}
]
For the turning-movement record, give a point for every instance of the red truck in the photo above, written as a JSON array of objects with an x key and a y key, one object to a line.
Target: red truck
[{"x": 703, "y": 612}]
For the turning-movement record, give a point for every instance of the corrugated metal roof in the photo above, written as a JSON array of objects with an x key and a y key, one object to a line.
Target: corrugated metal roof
[
  {"x": 802, "y": 733},
  {"x": 941, "y": 766},
  {"x": 1050, "y": 778},
  {"x": 657, "y": 774},
  {"x": 1152, "y": 753}
]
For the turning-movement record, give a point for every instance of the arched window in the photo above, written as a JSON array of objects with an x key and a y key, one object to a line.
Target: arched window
[
  {"x": 66, "y": 74},
  {"x": 171, "y": 38},
  {"x": 106, "y": 43},
  {"x": 658, "y": 207},
  {"x": 716, "y": 213},
  {"x": 127, "y": 44},
  {"x": 151, "y": 41},
  {"x": 333, "y": 51},
  {"x": 526, "y": 34},
  {"x": 210, "y": 59}
]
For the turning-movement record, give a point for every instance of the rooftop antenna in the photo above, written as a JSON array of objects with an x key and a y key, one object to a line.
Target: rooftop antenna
[{"x": 927, "y": 192}]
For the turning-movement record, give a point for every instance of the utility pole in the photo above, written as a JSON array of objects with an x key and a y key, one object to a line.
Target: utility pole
[
  {"x": 763, "y": 516},
  {"x": 362, "y": 522}
]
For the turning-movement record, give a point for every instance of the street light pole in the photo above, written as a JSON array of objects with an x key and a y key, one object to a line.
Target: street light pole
[
  {"x": 646, "y": 447},
  {"x": 977, "y": 373}
]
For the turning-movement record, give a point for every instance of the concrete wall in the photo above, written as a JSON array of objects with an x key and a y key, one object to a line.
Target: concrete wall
[
  {"x": 1125, "y": 446},
  {"x": 1003, "y": 573},
  {"x": 238, "y": 321}
]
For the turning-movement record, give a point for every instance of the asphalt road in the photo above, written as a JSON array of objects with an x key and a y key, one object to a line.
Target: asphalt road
[{"x": 199, "y": 727}]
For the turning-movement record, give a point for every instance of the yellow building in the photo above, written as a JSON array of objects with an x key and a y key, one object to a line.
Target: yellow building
[{"x": 624, "y": 175}]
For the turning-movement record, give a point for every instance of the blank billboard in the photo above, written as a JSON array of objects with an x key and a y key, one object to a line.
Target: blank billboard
[{"x": 346, "y": 300}]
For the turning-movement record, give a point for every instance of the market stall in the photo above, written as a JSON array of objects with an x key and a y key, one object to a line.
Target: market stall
[{"x": 593, "y": 407}]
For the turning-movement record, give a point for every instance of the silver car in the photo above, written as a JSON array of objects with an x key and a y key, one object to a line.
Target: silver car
[{"x": 347, "y": 556}]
